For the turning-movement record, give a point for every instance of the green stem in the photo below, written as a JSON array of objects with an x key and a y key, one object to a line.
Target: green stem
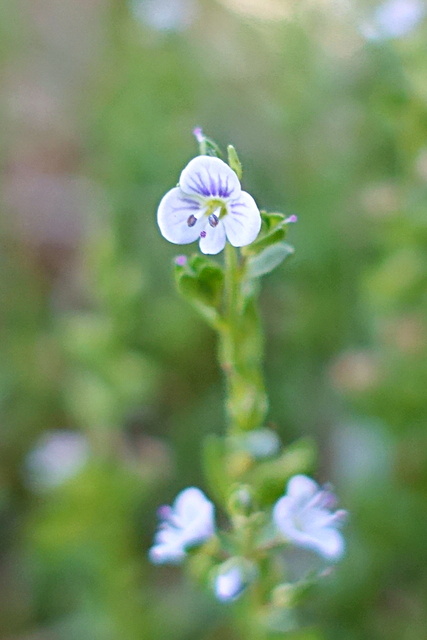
[{"x": 241, "y": 350}]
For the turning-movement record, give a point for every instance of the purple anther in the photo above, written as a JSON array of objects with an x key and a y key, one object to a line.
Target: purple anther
[
  {"x": 198, "y": 134},
  {"x": 191, "y": 220},
  {"x": 181, "y": 261},
  {"x": 203, "y": 234},
  {"x": 213, "y": 220},
  {"x": 292, "y": 218}
]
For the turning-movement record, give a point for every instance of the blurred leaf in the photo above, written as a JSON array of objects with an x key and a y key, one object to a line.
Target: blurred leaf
[{"x": 268, "y": 259}]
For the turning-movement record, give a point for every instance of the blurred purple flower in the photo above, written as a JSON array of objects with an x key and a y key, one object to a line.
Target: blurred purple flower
[
  {"x": 305, "y": 517},
  {"x": 209, "y": 204},
  {"x": 188, "y": 522}
]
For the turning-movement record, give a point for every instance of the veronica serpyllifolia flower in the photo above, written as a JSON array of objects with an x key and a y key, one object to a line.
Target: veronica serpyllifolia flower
[
  {"x": 209, "y": 204},
  {"x": 189, "y": 521},
  {"x": 305, "y": 517}
]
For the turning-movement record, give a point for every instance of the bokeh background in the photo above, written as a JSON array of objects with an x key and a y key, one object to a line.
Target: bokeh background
[{"x": 108, "y": 381}]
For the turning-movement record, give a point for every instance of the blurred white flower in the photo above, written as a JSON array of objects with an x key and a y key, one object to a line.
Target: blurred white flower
[
  {"x": 209, "y": 204},
  {"x": 394, "y": 19},
  {"x": 58, "y": 456},
  {"x": 165, "y": 15},
  {"x": 229, "y": 584},
  {"x": 305, "y": 517},
  {"x": 188, "y": 522}
]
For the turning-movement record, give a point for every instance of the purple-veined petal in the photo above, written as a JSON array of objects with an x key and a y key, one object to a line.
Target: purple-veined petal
[
  {"x": 212, "y": 239},
  {"x": 173, "y": 213},
  {"x": 208, "y": 177},
  {"x": 243, "y": 221}
]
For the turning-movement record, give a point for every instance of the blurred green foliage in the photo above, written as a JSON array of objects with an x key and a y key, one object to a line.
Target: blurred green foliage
[{"x": 98, "y": 108}]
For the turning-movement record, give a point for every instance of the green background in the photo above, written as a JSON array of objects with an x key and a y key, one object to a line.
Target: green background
[{"x": 97, "y": 112}]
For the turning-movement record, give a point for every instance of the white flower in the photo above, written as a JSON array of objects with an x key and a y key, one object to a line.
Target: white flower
[
  {"x": 394, "y": 19},
  {"x": 209, "y": 204},
  {"x": 57, "y": 457},
  {"x": 229, "y": 584},
  {"x": 188, "y": 522},
  {"x": 305, "y": 518}
]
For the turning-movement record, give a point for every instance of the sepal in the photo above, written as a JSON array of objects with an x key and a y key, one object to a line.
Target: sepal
[
  {"x": 207, "y": 146},
  {"x": 234, "y": 161}
]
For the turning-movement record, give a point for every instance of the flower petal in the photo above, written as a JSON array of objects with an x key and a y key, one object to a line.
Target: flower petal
[
  {"x": 243, "y": 221},
  {"x": 195, "y": 515},
  {"x": 208, "y": 177},
  {"x": 229, "y": 585},
  {"x": 163, "y": 553},
  {"x": 328, "y": 542},
  {"x": 189, "y": 503},
  {"x": 214, "y": 240},
  {"x": 301, "y": 486},
  {"x": 172, "y": 215}
]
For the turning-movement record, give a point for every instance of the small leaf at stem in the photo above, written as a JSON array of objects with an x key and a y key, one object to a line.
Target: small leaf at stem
[{"x": 268, "y": 259}]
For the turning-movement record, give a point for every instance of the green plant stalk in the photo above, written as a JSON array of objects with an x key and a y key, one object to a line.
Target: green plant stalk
[{"x": 241, "y": 350}]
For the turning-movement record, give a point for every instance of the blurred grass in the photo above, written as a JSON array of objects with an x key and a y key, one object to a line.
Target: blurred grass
[{"x": 98, "y": 109}]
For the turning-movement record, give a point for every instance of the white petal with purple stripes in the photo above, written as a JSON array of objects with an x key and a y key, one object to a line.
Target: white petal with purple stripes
[
  {"x": 243, "y": 222},
  {"x": 209, "y": 177},
  {"x": 177, "y": 217}
]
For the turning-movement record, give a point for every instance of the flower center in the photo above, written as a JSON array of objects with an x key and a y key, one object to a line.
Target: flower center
[{"x": 215, "y": 210}]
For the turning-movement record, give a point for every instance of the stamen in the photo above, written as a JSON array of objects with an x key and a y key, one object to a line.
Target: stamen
[
  {"x": 213, "y": 220},
  {"x": 181, "y": 261},
  {"x": 292, "y": 218},
  {"x": 203, "y": 234},
  {"x": 191, "y": 220}
]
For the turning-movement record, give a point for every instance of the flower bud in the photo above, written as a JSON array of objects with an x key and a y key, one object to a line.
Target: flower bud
[
  {"x": 234, "y": 162},
  {"x": 240, "y": 501},
  {"x": 232, "y": 577},
  {"x": 284, "y": 596}
]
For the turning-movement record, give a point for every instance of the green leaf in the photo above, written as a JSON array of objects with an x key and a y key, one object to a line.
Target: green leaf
[
  {"x": 201, "y": 280},
  {"x": 268, "y": 259},
  {"x": 272, "y": 220}
]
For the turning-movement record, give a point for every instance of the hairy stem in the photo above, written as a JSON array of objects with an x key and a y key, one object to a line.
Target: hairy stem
[{"x": 241, "y": 350}]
